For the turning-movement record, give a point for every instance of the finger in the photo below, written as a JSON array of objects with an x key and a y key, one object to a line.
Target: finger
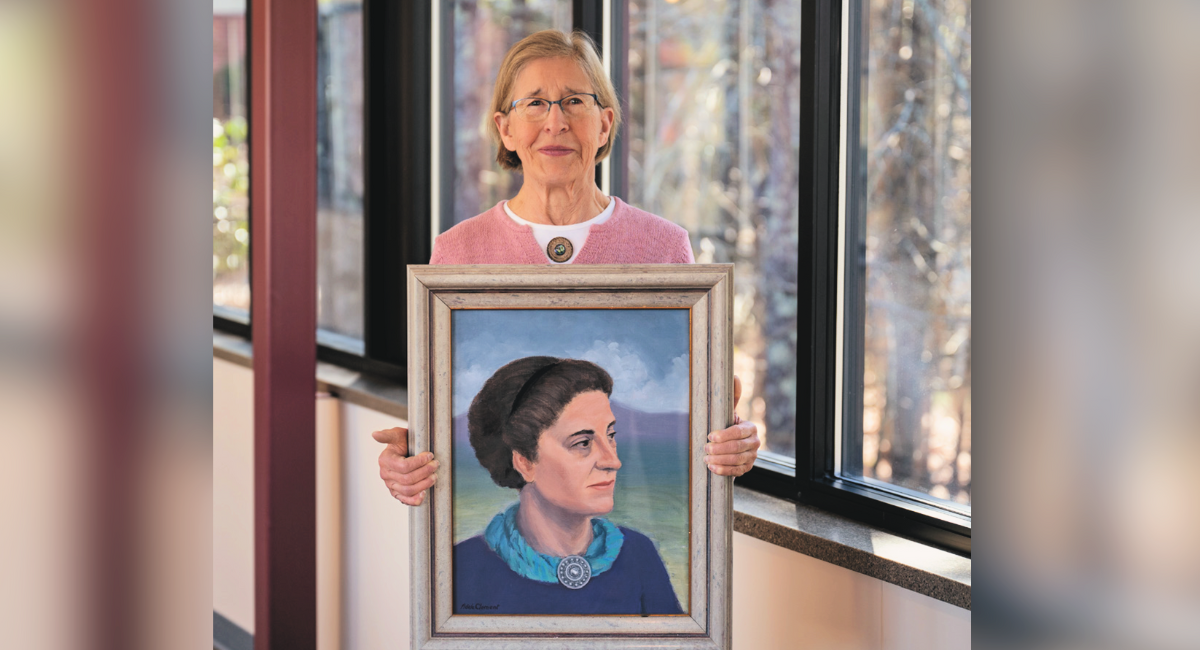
[
  {"x": 739, "y": 446},
  {"x": 737, "y": 390},
  {"x": 401, "y": 490},
  {"x": 730, "y": 460},
  {"x": 724, "y": 470},
  {"x": 734, "y": 432},
  {"x": 396, "y": 440},
  {"x": 413, "y": 477},
  {"x": 392, "y": 436},
  {"x": 410, "y": 501},
  {"x": 730, "y": 470},
  {"x": 739, "y": 470},
  {"x": 404, "y": 464},
  {"x": 413, "y": 489}
]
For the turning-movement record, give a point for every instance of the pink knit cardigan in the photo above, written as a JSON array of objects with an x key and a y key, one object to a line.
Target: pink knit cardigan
[{"x": 630, "y": 236}]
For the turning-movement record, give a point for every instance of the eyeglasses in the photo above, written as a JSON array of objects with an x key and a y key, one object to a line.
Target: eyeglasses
[{"x": 535, "y": 109}]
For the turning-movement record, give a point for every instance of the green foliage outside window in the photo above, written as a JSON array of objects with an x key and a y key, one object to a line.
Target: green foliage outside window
[{"x": 231, "y": 214}]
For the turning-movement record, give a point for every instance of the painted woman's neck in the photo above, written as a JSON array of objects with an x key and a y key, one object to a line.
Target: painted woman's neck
[{"x": 550, "y": 530}]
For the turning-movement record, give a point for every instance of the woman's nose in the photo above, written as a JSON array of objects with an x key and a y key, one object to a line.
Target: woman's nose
[
  {"x": 608, "y": 455},
  {"x": 556, "y": 119}
]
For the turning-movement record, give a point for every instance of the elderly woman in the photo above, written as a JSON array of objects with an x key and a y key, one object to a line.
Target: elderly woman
[
  {"x": 555, "y": 117},
  {"x": 544, "y": 426}
]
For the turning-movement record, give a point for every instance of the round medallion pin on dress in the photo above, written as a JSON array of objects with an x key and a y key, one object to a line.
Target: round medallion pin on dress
[
  {"x": 574, "y": 572},
  {"x": 559, "y": 249}
]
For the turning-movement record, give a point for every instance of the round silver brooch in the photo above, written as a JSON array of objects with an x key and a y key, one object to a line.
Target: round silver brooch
[
  {"x": 559, "y": 249},
  {"x": 574, "y": 572}
]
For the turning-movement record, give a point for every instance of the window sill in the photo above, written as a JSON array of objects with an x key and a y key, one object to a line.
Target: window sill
[
  {"x": 853, "y": 545},
  {"x": 804, "y": 529},
  {"x": 359, "y": 388}
]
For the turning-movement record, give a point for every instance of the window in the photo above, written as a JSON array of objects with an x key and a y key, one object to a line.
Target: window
[
  {"x": 907, "y": 359},
  {"x": 883, "y": 410},
  {"x": 373, "y": 149},
  {"x": 340, "y": 179},
  {"x": 340, "y": 172},
  {"x": 481, "y": 33},
  {"x": 713, "y": 145},
  {"x": 231, "y": 163}
]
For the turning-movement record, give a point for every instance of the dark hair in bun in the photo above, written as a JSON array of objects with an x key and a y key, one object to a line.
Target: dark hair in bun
[{"x": 520, "y": 401}]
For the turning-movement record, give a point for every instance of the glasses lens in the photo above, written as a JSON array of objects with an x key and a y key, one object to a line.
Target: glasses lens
[
  {"x": 578, "y": 104},
  {"x": 532, "y": 108}
]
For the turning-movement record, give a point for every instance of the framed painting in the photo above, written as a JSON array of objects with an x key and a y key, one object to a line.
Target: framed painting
[{"x": 569, "y": 407}]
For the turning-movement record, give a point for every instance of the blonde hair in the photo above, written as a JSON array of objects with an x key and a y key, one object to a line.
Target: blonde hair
[{"x": 551, "y": 44}]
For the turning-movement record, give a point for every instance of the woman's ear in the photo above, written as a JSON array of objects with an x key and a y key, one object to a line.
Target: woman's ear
[
  {"x": 501, "y": 121},
  {"x": 607, "y": 116},
  {"x": 524, "y": 466}
]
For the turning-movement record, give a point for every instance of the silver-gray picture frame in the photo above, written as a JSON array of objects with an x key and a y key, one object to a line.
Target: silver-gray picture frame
[{"x": 695, "y": 303}]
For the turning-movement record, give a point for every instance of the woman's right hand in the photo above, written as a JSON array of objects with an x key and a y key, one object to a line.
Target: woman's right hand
[{"x": 407, "y": 478}]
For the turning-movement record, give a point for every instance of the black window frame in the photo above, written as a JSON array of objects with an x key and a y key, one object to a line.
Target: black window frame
[{"x": 815, "y": 478}]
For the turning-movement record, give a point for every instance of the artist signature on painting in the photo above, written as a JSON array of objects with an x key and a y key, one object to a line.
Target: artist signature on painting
[{"x": 477, "y": 606}]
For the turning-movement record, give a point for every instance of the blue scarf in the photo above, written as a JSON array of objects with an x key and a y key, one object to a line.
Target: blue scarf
[{"x": 505, "y": 540}]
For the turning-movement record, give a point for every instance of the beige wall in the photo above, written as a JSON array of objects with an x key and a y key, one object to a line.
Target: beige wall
[
  {"x": 781, "y": 599},
  {"x": 233, "y": 493}
]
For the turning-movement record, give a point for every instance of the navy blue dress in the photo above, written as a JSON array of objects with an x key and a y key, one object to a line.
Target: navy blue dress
[{"x": 637, "y": 583}]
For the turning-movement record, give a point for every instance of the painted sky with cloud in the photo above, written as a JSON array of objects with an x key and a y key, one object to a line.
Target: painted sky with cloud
[{"x": 645, "y": 350}]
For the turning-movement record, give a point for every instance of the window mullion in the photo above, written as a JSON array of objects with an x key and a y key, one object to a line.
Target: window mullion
[{"x": 397, "y": 158}]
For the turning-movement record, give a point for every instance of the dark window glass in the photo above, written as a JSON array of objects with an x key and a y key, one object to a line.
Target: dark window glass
[
  {"x": 340, "y": 169},
  {"x": 713, "y": 133},
  {"x": 909, "y": 282}
]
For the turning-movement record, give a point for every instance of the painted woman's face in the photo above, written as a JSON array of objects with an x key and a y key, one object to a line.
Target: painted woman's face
[{"x": 576, "y": 468}]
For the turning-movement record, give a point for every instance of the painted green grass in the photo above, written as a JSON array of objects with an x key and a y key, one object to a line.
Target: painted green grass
[{"x": 651, "y": 497}]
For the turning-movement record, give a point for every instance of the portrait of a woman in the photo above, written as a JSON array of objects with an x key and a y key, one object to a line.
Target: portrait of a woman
[{"x": 544, "y": 427}]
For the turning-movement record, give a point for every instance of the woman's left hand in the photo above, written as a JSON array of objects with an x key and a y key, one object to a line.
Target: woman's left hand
[{"x": 732, "y": 451}]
